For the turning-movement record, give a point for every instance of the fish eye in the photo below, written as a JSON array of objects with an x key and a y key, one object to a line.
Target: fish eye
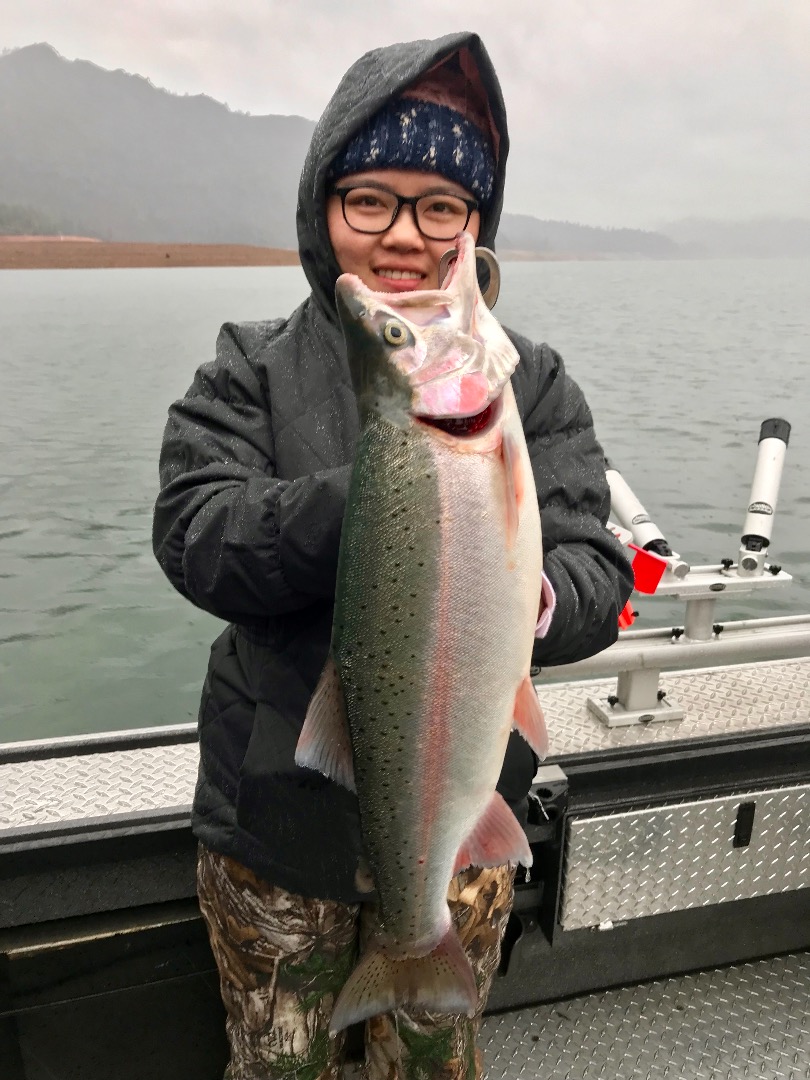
[{"x": 395, "y": 333}]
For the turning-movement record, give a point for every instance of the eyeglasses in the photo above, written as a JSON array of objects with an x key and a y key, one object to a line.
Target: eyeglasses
[{"x": 373, "y": 210}]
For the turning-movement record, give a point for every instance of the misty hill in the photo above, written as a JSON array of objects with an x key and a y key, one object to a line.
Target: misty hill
[
  {"x": 760, "y": 237},
  {"x": 521, "y": 232},
  {"x": 107, "y": 154}
]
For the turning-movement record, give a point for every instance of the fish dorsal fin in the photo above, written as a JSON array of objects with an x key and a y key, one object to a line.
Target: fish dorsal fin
[
  {"x": 324, "y": 743},
  {"x": 496, "y": 839},
  {"x": 529, "y": 719}
]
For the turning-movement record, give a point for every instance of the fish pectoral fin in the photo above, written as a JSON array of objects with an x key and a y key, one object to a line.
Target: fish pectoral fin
[
  {"x": 363, "y": 877},
  {"x": 529, "y": 719},
  {"x": 441, "y": 981},
  {"x": 496, "y": 839},
  {"x": 515, "y": 485},
  {"x": 324, "y": 743}
]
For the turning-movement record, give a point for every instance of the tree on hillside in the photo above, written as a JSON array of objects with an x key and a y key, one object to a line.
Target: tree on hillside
[{"x": 26, "y": 221}]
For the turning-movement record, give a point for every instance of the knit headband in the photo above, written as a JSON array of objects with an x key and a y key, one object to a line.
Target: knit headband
[{"x": 411, "y": 134}]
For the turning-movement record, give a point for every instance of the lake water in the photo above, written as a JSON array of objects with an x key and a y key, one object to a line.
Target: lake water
[{"x": 680, "y": 361}]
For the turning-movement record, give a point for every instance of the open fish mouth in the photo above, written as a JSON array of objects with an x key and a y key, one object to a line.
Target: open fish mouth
[
  {"x": 465, "y": 426},
  {"x": 461, "y": 359}
]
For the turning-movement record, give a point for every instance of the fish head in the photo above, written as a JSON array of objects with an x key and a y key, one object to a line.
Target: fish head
[
  {"x": 431, "y": 354},
  {"x": 377, "y": 344}
]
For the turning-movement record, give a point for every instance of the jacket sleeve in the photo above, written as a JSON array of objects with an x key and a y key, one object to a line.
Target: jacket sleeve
[
  {"x": 229, "y": 535},
  {"x": 588, "y": 569}
]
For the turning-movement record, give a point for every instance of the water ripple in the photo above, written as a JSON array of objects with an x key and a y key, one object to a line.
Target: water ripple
[
  {"x": 678, "y": 402},
  {"x": 13, "y": 638}
]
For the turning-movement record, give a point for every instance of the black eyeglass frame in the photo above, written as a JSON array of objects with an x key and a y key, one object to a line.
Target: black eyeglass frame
[{"x": 403, "y": 200}]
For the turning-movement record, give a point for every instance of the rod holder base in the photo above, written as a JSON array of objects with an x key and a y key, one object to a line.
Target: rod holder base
[
  {"x": 616, "y": 716},
  {"x": 751, "y": 563}
]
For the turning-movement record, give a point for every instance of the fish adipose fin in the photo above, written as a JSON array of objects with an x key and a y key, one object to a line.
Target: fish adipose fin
[
  {"x": 324, "y": 743},
  {"x": 529, "y": 719},
  {"x": 496, "y": 839},
  {"x": 442, "y": 981}
]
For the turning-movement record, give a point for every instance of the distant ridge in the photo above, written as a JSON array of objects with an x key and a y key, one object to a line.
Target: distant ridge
[
  {"x": 757, "y": 238},
  {"x": 107, "y": 154},
  {"x": 521, "y": 232}
]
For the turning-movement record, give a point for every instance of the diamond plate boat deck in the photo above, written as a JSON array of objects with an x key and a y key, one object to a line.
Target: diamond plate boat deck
[
  {"x": 49, "y": 787},
  {"x": 750, "y": 1021},
  {"x": 651, "y": 946}
]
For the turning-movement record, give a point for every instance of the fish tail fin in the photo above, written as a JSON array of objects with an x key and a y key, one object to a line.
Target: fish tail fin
[{"x": 441, "y": 981}]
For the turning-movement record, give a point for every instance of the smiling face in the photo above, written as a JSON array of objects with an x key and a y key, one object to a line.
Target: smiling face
[{"x": 401, "y": 259}]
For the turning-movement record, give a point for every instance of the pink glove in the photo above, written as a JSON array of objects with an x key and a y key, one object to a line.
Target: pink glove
[{"x": 548, "y": 602}]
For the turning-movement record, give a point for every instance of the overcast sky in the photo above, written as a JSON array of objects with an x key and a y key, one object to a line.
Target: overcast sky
[{"x": 622, "y": 112}]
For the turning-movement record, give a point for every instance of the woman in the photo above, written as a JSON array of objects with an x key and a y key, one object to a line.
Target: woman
[{"x": 254, "y": 473}]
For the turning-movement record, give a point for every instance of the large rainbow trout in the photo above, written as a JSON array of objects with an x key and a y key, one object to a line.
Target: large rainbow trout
[{"x": 438, "y": 590}]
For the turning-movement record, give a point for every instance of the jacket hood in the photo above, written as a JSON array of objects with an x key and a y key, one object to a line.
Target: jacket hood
[{"x": 374, "y": 79}]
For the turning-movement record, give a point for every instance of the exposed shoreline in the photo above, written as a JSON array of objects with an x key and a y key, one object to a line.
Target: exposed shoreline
[
  {"x": 87, "y": 253},
  {"x": 79, "y": 253}
]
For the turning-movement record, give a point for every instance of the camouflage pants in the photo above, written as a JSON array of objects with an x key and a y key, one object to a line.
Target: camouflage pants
[{"x": 283, "y": 958}]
